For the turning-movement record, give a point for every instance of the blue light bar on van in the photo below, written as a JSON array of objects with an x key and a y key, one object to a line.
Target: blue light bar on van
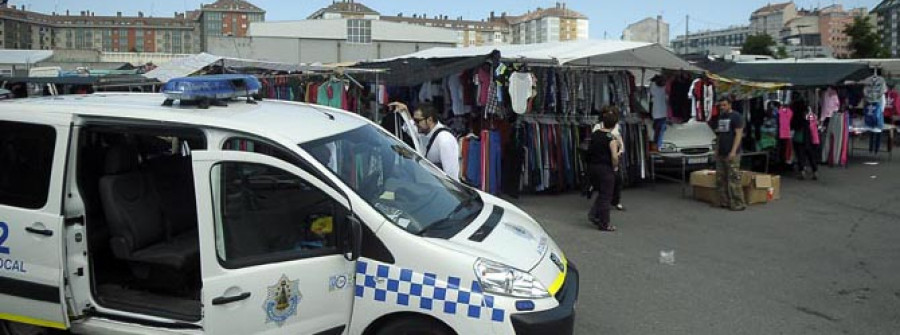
[{"x": 211, "y": 87}]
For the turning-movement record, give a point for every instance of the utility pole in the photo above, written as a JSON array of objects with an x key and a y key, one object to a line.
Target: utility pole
[
  {"x": 800, "y": 33},
  {"x": 687, "y": 32},
  {"x": 658, "y": 18}
]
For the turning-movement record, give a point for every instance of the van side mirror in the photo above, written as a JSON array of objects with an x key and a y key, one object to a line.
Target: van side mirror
[{"x": 355, "y": 232}]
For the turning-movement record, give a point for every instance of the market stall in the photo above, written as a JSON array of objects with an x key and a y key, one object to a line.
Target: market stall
[
  {"x": 832, "y": 92},
  {"x": 538, "y": 101}
]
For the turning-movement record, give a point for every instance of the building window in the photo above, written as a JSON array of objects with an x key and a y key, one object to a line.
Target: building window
[{"x": 359, "y": 31}]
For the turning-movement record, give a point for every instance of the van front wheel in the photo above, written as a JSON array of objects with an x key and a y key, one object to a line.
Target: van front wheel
[
  {"x": 15, "y": 328},
  {"x": 414, "y": 326}
]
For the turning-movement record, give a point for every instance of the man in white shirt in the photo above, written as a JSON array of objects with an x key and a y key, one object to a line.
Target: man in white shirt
[
  {"x": 441, "y": 147},
  {"x": 659, "y": 106}
]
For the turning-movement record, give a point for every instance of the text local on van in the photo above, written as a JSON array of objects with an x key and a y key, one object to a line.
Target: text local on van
[{"x": 8, "y": 264}]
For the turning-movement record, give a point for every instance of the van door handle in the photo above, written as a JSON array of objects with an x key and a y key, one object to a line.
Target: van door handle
[
  {"x": 228, "y": 300},
  {"x": 45, "y": 232}
]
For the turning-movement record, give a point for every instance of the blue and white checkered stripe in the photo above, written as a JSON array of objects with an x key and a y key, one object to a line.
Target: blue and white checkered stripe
[{"x": 405, "y": 287}]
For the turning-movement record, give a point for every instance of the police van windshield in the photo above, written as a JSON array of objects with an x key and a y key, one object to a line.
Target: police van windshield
[{"x": 398, "y": 182}]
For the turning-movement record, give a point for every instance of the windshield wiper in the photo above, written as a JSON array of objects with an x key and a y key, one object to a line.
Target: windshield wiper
[{"x": 442, "y": 223}]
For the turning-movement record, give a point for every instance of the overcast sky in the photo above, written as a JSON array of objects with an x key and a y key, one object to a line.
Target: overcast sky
[{"x": 608, "y": 17}]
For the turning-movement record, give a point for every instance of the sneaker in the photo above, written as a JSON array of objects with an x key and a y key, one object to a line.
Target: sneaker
[{"x": 619, "y": 207}]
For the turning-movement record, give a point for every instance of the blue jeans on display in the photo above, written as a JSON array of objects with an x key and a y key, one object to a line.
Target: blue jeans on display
[
  {"x": 495, "y": 164},
  {"x": 874, "y": 142},
  {"x": 473, "y": 163},
  {"x": 874, "y": 119},
  {"x": 659, "y": 130}
]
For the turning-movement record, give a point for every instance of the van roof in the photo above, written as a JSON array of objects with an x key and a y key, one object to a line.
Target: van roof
[{"x": 298, "y": 122}]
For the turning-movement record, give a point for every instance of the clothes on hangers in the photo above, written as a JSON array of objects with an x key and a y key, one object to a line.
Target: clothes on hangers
[
  {"x": 521, "y": 91},
  {"x": 785, "y": 114},
  {"x": 455, "y": 90},
  {"x": 702, "y": 95},
  {"x": 470, "y": 146},
  {"x": 834, "y": 143},
  {"x": 332, "y": 93},
  {"x": 429, "y": 90},
  {"x": 482, "y": 80},
  {"x": 830, "y": 103},
  {"x": 892, "y": 104}
]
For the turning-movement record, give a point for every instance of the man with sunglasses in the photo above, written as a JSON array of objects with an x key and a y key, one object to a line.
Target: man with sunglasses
[{"x": 441, "y": 146}]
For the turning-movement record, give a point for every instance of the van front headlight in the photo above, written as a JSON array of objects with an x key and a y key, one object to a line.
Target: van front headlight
[{"x": 505, "y": 280}]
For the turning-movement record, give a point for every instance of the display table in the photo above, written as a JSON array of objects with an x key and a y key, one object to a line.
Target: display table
[{"x": 888, "y": 134}]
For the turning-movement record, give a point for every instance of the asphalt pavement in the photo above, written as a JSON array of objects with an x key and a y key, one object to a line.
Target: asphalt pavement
[{"x": 825, "y": 259}]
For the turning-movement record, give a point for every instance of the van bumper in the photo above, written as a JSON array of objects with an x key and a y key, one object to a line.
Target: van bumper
[{"x": 558, "y": 320}]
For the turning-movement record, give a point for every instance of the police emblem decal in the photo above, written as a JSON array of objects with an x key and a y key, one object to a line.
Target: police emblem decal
[{"x": 282, "y": 300}]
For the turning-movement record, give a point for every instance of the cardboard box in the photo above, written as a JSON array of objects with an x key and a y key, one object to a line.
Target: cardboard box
[
  {"x": 704, "y": 179},
  {"x": 758, "y": 188},
  {"x": 704, "y": 186},
  {"x": 707, "y": 178},
  {"x": 762, "y": 189},
  {"x": 706, "y": 194}
]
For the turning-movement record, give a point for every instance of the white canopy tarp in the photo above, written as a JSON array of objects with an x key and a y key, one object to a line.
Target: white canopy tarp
[
  {"x": 24, "y": 56},
  {"x": 595, "y": 53},
  {"x": 187, "y": 66}
]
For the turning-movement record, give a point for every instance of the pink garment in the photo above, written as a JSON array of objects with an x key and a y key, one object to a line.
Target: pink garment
[
  {"x": 846, "y": 138},
  {"x": 892, "y": 103},
  {"x": 813, "y": 127},
  {"x": 784, "y": 122},
  {"x": 484, "y": 83},
  {"x": 831, "y": 103}
]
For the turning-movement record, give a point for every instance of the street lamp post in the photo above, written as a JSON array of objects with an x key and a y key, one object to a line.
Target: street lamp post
[{"x": 800, "y": 34}]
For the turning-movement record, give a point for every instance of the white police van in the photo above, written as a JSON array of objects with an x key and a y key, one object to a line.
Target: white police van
[{"x": 159, "y": 214}]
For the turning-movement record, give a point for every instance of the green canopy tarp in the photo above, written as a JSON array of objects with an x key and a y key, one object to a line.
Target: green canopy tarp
[{"x": 800, "y": 74}]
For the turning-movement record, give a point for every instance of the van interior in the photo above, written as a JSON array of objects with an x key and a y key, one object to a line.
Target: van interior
[{"x": 141, "y": 218}]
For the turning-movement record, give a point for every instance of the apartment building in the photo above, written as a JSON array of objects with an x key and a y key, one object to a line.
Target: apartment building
[
  {"x": 650, "y": 30},
  {"x": 888, "y": 14},
  {"x": 771, "y": 18},
  {"x": 181, "y": 33},
  {"x": 705, "y": 41},
  {"x": 558, "y": 23}
]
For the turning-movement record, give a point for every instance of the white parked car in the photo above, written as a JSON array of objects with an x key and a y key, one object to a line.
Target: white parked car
[{"x": 690, "y": 142}]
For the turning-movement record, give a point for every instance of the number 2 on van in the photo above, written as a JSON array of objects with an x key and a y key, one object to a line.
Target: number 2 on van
[{"x": 4, "y": 234}]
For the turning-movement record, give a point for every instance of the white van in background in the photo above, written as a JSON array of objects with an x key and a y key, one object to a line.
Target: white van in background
[{"x": 45, "y": 71}]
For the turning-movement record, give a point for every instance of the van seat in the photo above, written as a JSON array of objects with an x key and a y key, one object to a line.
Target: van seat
[{"x": 136, "y": 220}]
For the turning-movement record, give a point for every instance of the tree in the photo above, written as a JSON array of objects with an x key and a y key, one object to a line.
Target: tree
[
  {"x": 864, "y": 40},
  {"x": 782, "y": 53},
  {"x": 759, "y": 44}
]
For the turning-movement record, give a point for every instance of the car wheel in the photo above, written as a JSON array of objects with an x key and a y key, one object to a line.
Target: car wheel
[{"x": 414, "y": 326}]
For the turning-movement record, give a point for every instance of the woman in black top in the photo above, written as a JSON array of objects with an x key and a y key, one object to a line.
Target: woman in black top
[
  {"x": 804, "y": 148},
  {"x": 602, "y": 161}
]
